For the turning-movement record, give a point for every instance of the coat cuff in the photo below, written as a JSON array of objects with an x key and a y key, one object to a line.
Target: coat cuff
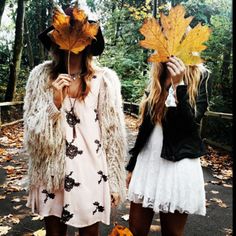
[
  {"x": 131, "y": 164},
  {"x": 53, "y": 111},
  {"x": 181, "y": 93}
]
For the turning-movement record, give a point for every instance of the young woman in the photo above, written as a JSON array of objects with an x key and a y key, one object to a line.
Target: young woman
[
  {"x": 165, "y": 174},
  {"x": 75, "y": 137}
]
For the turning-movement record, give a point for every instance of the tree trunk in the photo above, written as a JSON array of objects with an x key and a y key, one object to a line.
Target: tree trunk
[
  {"x": 225, "y": 73},
  {"x": 17, "y": 51},
  {"x": 50, "y": 11},
  {"x": 40, "y": 29},
  {"x": 154, "y": 12},
  {"x": 29, "y": 45},
  {"x": 2, "y": 6}
]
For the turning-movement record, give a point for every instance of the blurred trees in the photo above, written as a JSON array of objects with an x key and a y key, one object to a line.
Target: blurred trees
[
  {"x": 2, "y": 6},
  {"x": 120, "y": 21},
  {"x": 17, "y": 51}
]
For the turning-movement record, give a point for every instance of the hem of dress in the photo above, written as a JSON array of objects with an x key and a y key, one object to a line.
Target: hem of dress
[
  {"x": 59, "y": 216},
  {"x": 160, "y": 209}
]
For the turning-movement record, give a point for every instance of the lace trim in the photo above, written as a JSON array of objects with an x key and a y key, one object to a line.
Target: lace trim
[{"x": 161, "y": 207}]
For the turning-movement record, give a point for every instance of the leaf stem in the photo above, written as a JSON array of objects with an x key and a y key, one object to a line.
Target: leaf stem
[
  {"x": 68, "y": 63},
  {"x": 68, "y": 68}
]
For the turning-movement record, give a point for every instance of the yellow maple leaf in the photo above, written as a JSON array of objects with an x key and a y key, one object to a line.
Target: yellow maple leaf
[
  {"x": 154, "y": 39},
  {"x": 73, "y": 37},
  {"x": 169, "y": 37}
]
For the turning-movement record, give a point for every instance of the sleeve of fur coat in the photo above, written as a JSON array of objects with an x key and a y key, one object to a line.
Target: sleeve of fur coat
[
  {"x": 112, "y": 125},
  {"x": 42, "y": 134}
]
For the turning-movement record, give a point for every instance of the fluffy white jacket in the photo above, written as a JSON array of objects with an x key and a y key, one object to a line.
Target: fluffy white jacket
[{"x": 43, "y": 135}]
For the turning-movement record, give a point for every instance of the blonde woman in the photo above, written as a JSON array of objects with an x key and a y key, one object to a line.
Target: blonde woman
[
  {"x": 75, "y": 137},
  {"x": 165, "y": 174}
]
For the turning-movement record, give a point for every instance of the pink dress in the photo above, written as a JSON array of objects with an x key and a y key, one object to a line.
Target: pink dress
[{"x": 85, "y": 198}]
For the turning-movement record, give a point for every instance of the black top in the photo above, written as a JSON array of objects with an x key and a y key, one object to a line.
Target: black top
[{"x": 181, "y": 126}]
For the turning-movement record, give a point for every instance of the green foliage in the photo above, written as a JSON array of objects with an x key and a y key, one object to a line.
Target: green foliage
[
  {"x": 120, "y": 22},
  {"x": 91, "y": 5},
  {"x": 122, "y": 52}
]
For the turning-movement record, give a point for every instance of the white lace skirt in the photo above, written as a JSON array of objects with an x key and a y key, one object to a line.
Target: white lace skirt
[{"x": 164, "y": 185}]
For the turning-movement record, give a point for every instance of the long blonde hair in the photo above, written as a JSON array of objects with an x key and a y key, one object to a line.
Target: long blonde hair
[
  {"x": 154, "y": 101},
  {"x": 86, "y": 66}
]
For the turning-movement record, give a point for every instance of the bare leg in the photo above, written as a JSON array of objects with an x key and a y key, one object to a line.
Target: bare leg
[
  {"x": 54, "y": 227},
  {"x": 140, "y": 219},
  {"x": 172, "y": 224},
  {"x": 92, "y": 230}
]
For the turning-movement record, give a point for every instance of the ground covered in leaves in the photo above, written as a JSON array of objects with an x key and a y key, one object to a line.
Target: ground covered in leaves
[{"x": 16, "y": 218}]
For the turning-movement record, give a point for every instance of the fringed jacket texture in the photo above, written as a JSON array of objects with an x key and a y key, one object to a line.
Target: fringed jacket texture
[{"x": 43, "y": 133}]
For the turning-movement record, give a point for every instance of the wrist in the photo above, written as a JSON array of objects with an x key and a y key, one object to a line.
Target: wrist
[{"x": 57, "y": 103}]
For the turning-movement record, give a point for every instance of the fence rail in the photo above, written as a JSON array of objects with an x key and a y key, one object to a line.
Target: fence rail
[
  {"x": 6, "y": 104},
  {"x": 133, "y": 109}
]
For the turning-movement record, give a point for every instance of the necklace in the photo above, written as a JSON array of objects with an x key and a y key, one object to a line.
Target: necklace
[
  {"x": 75, "y": 76},
  {"x": 72, "y": 120}
]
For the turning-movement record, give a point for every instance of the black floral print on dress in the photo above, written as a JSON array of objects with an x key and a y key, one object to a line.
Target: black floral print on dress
[
  {"x": 103, "y": 177},
  {"x": 66, "y": 215},
  {"x": 70, "y": 182},
  {"x": 48, "y": 195},
  {"x": 99, "y": 145},
  {"x": 72, "y": 150},
  {"x": 96, "y": 112},
  {"x": 98, "y": 207},
  {"x": 71, "y": 118}
]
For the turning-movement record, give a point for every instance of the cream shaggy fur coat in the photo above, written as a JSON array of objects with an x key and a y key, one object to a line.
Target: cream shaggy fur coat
[{"x": 44, "y": 138}]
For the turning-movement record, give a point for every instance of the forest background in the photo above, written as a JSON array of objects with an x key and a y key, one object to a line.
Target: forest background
[{"x": 20, "y": 50}]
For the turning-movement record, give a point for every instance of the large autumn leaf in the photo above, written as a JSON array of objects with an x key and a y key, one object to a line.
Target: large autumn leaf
[
  {"x": 73, "y": 37},
  {"x": 120, "y": 230},
  {"x": 169, "y": 37}
]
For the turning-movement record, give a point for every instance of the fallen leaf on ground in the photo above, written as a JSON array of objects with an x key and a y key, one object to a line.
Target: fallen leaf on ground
[
  {"x": 9, "y": 169},
  {"x": 38, "y": 217},
  {"x": 228, "y": 185},
  {"x": 13, "y": 188},
  {"x": 2, "y": 197},
  {"x": 16, "y": 200},
  {"x": 4, "y": 230},
  {"x": 125, "y": 217},
  {"x": 228, "y": 232},
  {"x": 155, "y": 228},
  {"x": 214, "y": 192},
  {"x": 15, "y": 220},
  {"x": 219, "y": 202},
  {"x": 17, "y": 207},
  {"x": 40, "y": 232}
]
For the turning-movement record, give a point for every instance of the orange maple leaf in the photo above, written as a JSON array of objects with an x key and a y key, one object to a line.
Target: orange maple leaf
[
  {"x": 170, "y": 38},
  {"x": 121, "y": 231},
  {"x": 73, "y": 37}
]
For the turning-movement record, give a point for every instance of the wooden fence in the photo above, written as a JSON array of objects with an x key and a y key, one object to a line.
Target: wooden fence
[
  {"x": 132, "y": 109},
  {"x": 6, "y": 104}
]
